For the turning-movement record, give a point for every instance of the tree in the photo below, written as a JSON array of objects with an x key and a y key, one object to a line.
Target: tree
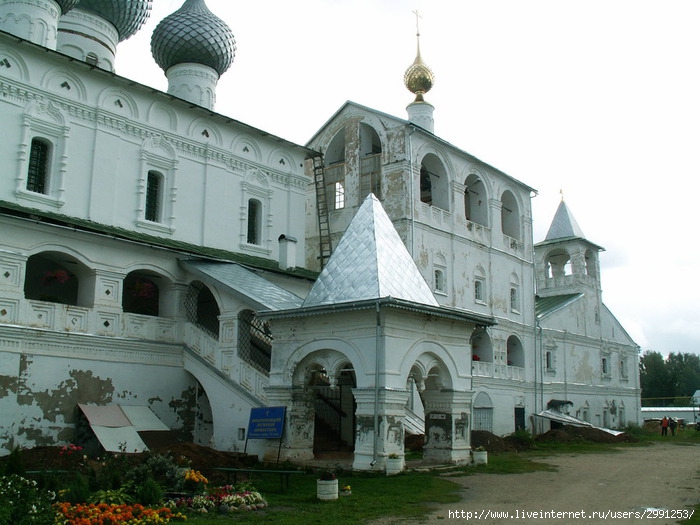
[{"x": 654, "y": 379}]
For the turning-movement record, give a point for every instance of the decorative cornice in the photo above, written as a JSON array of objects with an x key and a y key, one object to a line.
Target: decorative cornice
[{"x": 110, "y": 121}]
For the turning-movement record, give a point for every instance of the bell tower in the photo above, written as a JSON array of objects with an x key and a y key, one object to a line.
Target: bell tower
[{"x": 566, "y": 262}]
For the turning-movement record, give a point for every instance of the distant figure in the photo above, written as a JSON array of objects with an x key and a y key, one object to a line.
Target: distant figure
[
  {"x": 673, "y": 424},
  {"x": 664, "y": 426}
]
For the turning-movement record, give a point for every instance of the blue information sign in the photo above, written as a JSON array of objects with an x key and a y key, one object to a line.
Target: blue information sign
[{"x": 266, "y": 423}]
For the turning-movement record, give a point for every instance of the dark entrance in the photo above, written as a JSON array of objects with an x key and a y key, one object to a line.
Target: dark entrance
[
  {"x": 519, "y": 418},
  {"x": 334, "y": 408}
]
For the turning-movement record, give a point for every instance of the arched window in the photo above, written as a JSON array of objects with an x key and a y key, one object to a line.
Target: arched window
[
  {"x": 254, "y": 222},
  {"x": 141, "y": 294},
  {"x": 439, "y": 281},
  {"x": 38, "y": 170},
  {"x": 514, "y": 293},
  {"x": 480, "y": 292},
  {"x": 254, "y": 341},
  {"x": 202, "y": 309}
]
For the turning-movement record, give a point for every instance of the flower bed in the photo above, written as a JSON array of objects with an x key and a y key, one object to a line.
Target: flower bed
[
  {"x": 224, "y": 499},
  {"x": 104, "y": 514}
]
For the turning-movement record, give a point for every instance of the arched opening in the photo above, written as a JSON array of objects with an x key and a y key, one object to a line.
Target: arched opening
[
  {"x": 514, "y": 352},
  {"x": 254, "y": 341},
  {"x": 434, "y": 186},
  {"x": 482, "y": 349},
  {"x": 591, "y": 263},
  {"x": 475, "y": 200},
  {"x": 202, "y": 309},
  {"x": 370, "y": 162},
  {"x": 334, "y": 175},
  {"x": 510, "y": 215},
  {"x": 141, "y": 293},
  {"x": 55, "y": 277},
  {"x": 557, "y": 263},
  {"x": 334, "y": 410},
  {"x": 482, "y": 412}
]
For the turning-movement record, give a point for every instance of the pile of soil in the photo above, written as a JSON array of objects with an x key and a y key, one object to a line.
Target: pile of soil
[
  {"x": 200, "y": 458},
  {"x": 569, "y": 433},
  {"x": 565, "y": 434}
]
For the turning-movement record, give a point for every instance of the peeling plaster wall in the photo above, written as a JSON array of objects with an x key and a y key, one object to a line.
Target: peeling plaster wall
[{"x": 40, "y": 395}]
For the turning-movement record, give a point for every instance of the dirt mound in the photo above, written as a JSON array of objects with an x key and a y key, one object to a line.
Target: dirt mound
[
  {"x": 198, "y": 457},
  {"x": 570, "y": 433}
]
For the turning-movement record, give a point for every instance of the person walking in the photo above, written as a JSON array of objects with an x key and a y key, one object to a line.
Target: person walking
[
  {"x": 664, "y": 426},
  {"x": 672, "y": 423}
]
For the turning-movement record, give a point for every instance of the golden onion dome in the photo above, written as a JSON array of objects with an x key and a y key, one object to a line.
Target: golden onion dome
[{"x": 418, "y": 78}]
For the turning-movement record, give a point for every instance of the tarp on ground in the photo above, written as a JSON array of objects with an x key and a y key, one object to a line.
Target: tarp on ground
[
  {"x": 117, "y": 427},
  {"x": 566, "y": 419}
]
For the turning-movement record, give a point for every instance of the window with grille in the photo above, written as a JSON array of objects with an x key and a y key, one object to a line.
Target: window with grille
[
  {"x": 153, "y": 196},
  {"x": 202, "y": 309},
  {"x": 254, "y": 341},
  {"x": 38, "y": 172}
]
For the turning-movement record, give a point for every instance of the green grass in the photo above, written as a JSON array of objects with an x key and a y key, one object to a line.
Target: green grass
[
  {"x": 407, "y": 495},
  {"x": 412, "y": 494}
]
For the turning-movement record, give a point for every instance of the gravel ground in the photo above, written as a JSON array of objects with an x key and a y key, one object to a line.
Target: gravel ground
[{"x": 656, "y": 479}]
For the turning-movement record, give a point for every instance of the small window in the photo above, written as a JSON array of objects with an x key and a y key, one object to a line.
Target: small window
[
  {"x": 153, "y": 196},
  {"x": 254, "y": 221},
  {"x": 440, "y": 281},
  {"x": 548, "y": 360},
  {"x": 38, "y": 172},
  {"x": 339, "y": 196},
  {"x": 604, "y": 366},
  {"x": 514, "y": 306},
  {"x": 479, "y": 290}
]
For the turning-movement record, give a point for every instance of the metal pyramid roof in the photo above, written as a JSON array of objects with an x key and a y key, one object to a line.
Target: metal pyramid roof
[
  {"x": 564, "y": 225},
  {"x": 370, "y": 262}
]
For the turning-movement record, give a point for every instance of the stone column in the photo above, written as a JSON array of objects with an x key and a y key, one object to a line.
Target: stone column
[
  {"x": 298, "y": 437},
  {"x": 375, "y": 445},
  {"x": 447, "y": 426}
]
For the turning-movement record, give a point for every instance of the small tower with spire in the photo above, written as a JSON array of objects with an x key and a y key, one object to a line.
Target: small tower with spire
[
  {"x": 419, "y": 79},
  {"x": 566, "y": 262}
]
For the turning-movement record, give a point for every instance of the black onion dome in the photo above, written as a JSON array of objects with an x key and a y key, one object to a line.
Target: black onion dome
[
  {"x": 193, "y": 34},
  {"x": 66, "y": 5},
  {"x": 126, "y": 15}
]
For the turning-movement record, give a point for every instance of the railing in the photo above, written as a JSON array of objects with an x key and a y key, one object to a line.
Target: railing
[
  {"x": 484, "y": 369},
  {"x": 512, "y": 244}
]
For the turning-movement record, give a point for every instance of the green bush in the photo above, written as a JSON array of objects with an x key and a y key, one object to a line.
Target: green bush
[
  {"x": 23, "y": 503},
  {"x": 15, "y": 463},
  {"x": 78, "y": 490},
  {"x": 149, "y": 493}
]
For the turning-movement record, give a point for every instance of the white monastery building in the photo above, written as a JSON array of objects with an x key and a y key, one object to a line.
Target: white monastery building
[{"x": 376, "y": 282}]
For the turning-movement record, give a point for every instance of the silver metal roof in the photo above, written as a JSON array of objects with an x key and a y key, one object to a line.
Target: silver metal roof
[
  {"x": 246, "y": 284},
  {"x": 370, "y": 262},
  {"x": 564, "y": 225}
]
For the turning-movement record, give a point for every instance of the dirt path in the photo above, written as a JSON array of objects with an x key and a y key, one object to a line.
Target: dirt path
[{"x": 663, "y": 476}]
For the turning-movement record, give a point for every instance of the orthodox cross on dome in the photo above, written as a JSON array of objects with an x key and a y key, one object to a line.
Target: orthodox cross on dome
[{"x": 418, "y": 78}]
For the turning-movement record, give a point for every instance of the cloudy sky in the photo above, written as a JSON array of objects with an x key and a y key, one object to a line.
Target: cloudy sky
[{"x": 597, "y": 98}]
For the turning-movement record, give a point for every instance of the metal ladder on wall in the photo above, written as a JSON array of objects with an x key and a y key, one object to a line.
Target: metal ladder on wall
[{"x": 324, "y": 229}]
